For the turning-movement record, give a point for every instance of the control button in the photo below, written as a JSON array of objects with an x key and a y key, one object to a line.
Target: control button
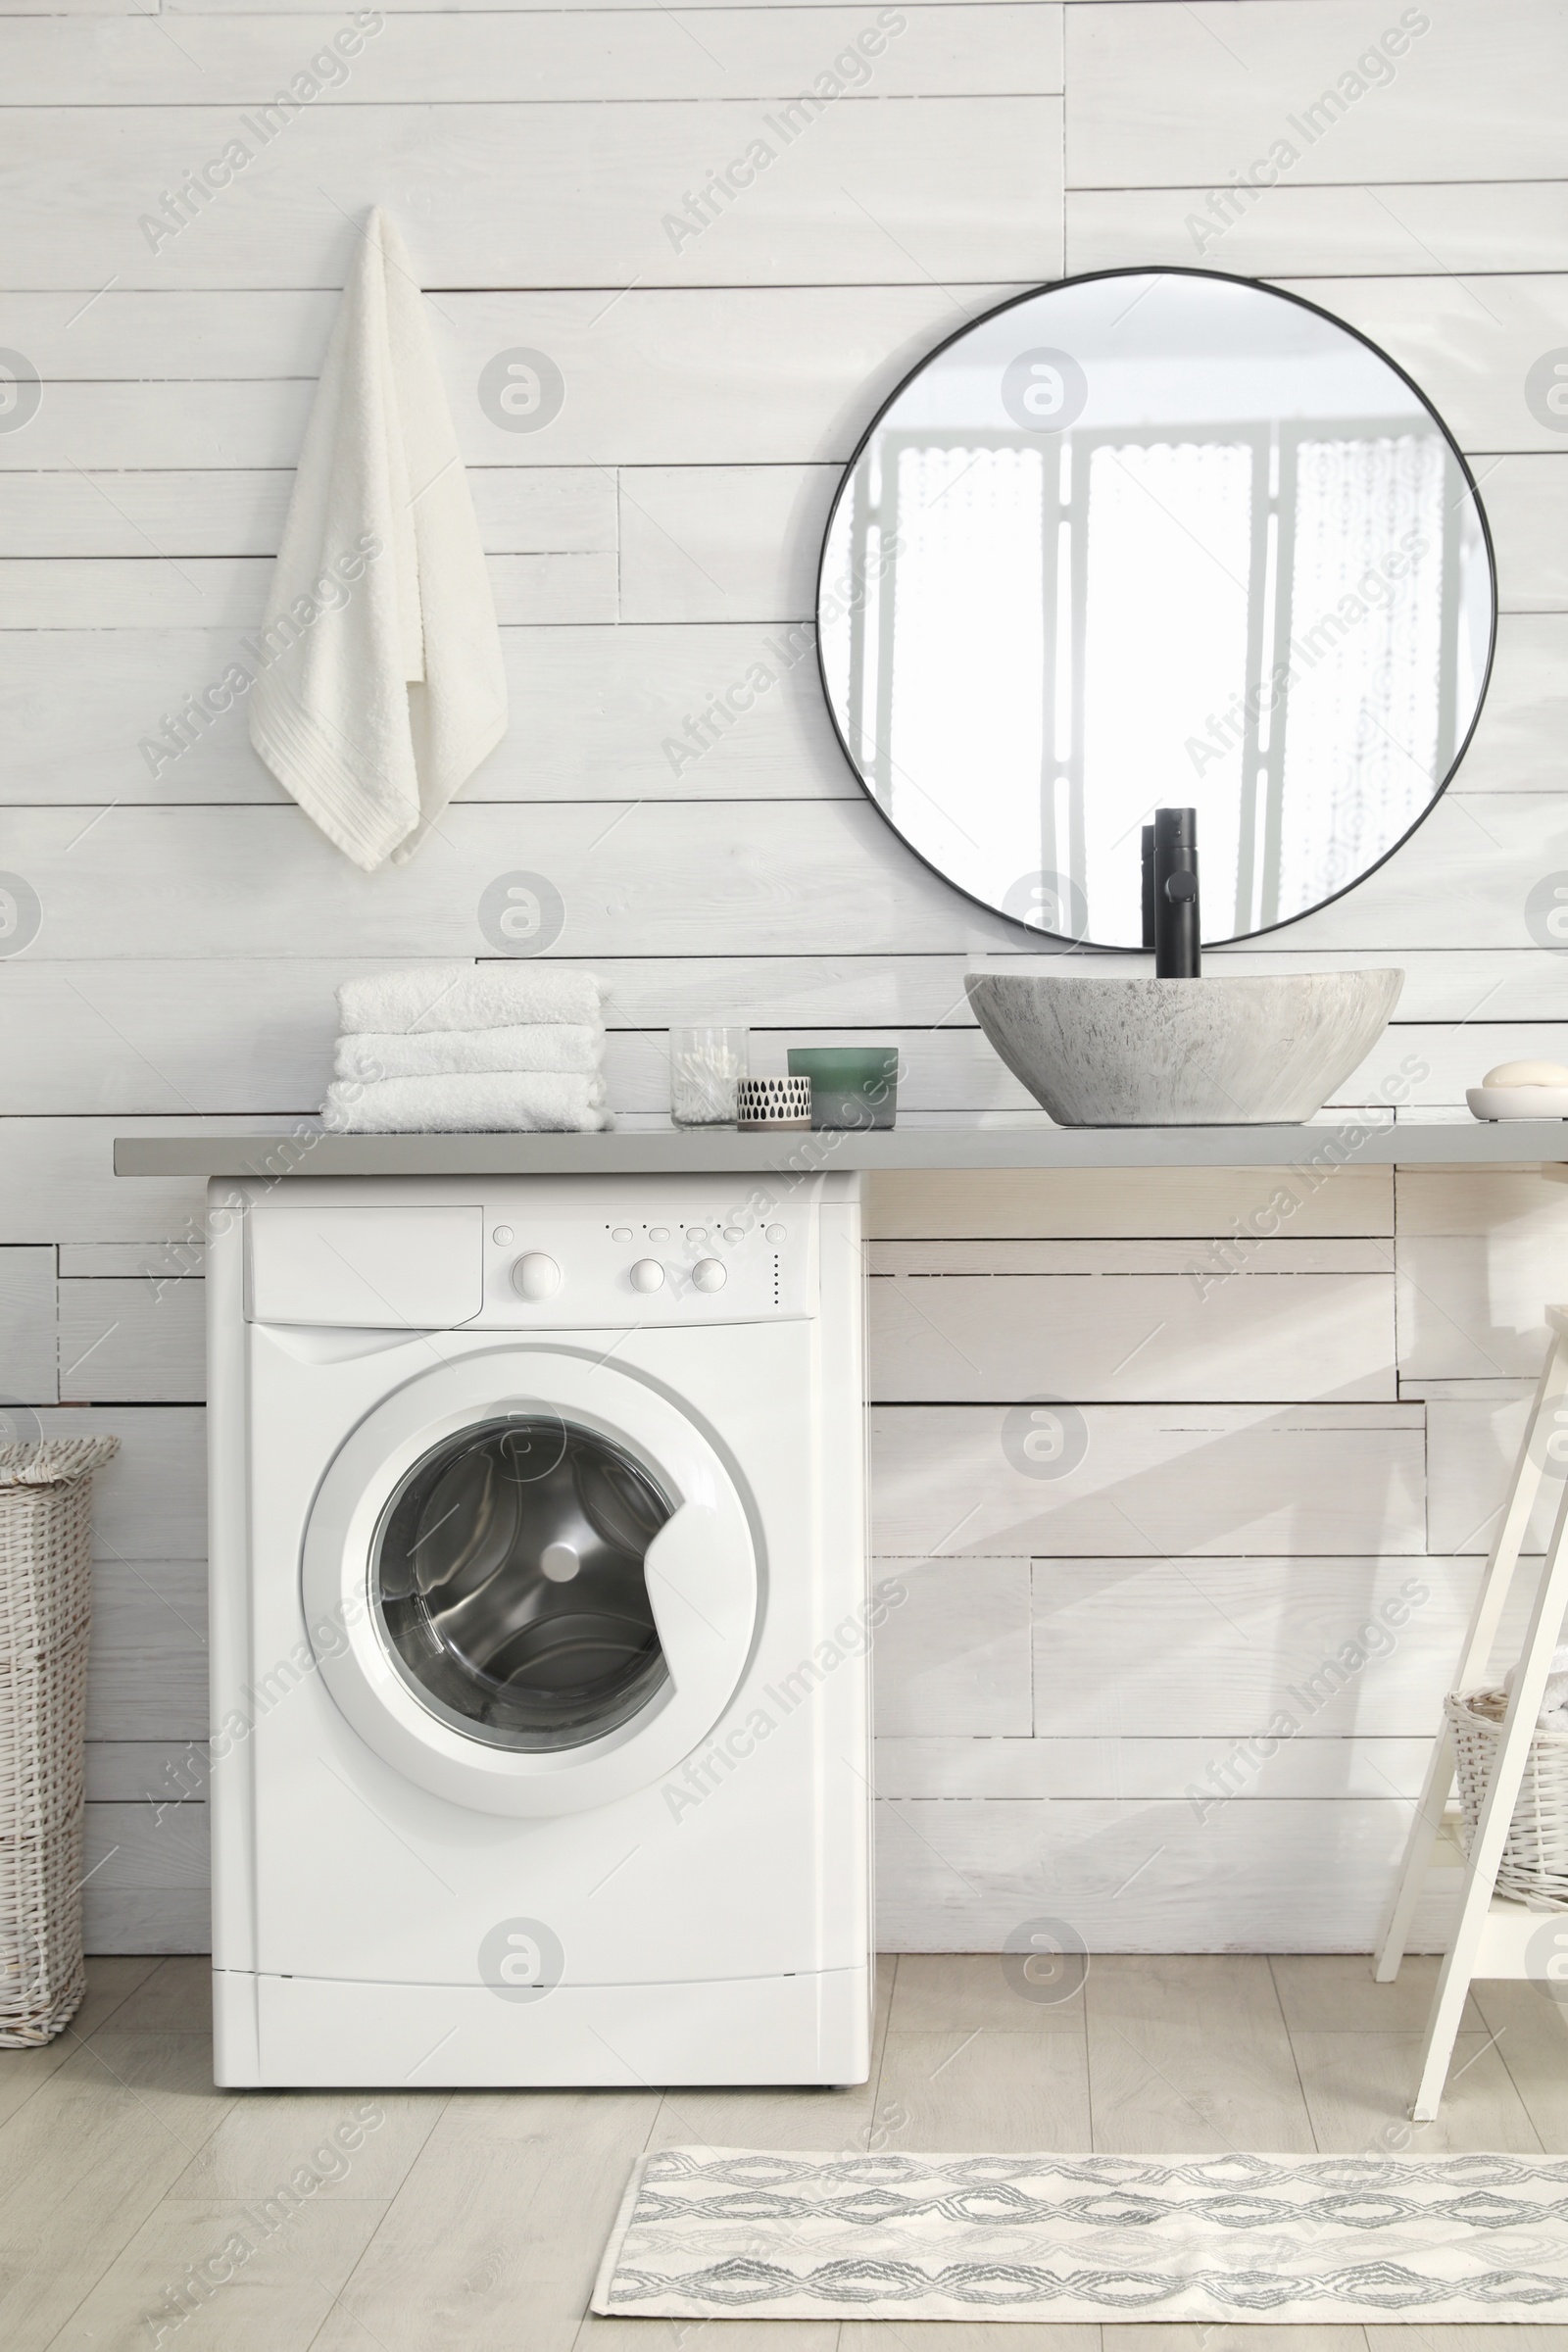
[
  {"x": 733, "y": 1233},
  {"x": 658, "y": 1232},
  {"x": 777, "y": 1234},
  {"x": 559, "y": 1562},
  {"x": 708, "y": 1275},
  {"x": 536, "y": 1276},
  {"x": 697, "y": 1233},
  {"x": 648, "y": 1275},
  {"x": 502, "y": 1235},
  {"x": 622, "y": 1233}
]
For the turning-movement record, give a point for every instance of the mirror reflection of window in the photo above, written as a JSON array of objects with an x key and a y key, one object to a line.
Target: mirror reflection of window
[
  {"x": 1244, "y": 570},
  {"x": 969, "y": 525},
  {"x": 1168, "y": 567},
  {"x": 1374, "y": 631}
]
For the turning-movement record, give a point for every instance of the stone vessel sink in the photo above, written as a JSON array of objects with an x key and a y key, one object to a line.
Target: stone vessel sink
[{"x": 1252, "y": 1049}]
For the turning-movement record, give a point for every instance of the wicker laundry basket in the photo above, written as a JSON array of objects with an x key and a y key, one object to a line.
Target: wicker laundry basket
[
  {"x": 1534, "y": 1853},
  {"x": 45, "y": 1618}
]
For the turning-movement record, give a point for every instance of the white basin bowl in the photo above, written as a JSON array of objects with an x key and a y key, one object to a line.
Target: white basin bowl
[{"x": 1243, "y": 1050}]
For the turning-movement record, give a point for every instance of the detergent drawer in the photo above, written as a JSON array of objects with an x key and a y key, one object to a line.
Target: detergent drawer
[{"x": 418, "y": 1266}]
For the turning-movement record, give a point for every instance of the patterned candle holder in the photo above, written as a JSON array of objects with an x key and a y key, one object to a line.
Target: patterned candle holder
[{"x": 774, "y": 1103}]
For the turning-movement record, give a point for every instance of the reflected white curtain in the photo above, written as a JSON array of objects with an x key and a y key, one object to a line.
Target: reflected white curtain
[
  {"x": 1169, "y": 572},
  {"x": 1367, "y": 655},
  {"x": 969, "y": 660}
]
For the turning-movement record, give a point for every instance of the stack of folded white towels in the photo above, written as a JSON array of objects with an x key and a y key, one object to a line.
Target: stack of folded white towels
[
  {"x": 1553, "y": 1715},
  {"x": 461, "y": 1048}
]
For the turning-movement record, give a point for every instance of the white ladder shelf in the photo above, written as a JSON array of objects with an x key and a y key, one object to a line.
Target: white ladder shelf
[{"x": 1494, "y": 1936}]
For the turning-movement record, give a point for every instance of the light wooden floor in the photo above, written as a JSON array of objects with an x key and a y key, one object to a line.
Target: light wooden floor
[{"x": 474, "y": 2220}]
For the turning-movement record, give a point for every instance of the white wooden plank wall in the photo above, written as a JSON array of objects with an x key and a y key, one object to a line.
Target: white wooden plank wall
[{"x": 1274, "y": 1433}]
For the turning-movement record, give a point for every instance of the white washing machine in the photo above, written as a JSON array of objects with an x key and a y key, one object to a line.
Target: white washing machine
[{"x": 540, "y": 1623}]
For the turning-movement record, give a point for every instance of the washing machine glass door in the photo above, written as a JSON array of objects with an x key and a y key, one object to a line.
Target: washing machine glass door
[
  {"x": 510, "y": 1576},
  {"x": 530, "y": 1580}
]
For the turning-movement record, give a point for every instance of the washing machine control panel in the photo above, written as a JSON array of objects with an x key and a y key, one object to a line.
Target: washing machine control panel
[{"x": 576, "y": 1270}]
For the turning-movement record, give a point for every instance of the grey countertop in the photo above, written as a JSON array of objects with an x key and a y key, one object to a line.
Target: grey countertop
[{"x": 950, "y": 1143}]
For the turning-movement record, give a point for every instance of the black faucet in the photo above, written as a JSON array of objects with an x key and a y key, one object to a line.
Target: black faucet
[{"x": 1171, "y": 924}]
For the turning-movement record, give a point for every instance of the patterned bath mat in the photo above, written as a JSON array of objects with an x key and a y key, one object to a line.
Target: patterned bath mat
[{"x": 721, "y": 2232}]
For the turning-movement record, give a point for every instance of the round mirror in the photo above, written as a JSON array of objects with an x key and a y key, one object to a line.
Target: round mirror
[{"x": 1156, "y": 538}]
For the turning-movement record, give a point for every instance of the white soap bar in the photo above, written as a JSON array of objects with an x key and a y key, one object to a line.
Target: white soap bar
[{"x": 1526, "y": 1074}]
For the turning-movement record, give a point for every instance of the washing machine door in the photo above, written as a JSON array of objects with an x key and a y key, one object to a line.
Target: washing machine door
[{"x": 529, "y": 1581}]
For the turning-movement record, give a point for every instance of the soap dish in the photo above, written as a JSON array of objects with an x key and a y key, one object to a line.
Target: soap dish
[
  {"x": 1518, "y": 1101},
  {"x": 773, "y": 1102}
]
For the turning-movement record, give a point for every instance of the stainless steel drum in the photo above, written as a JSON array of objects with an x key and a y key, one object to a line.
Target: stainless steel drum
[{"x": 507, "y": 1574}]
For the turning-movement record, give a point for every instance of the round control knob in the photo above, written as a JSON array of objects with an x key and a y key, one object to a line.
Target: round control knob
[
  {"x": 536, "y": 1276},
  {"x": 707, "y": 1275},
  {"x": 648, "y": 1275}
]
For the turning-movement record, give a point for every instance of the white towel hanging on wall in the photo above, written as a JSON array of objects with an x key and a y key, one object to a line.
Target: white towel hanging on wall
[{"x": 383, "y": 687}]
